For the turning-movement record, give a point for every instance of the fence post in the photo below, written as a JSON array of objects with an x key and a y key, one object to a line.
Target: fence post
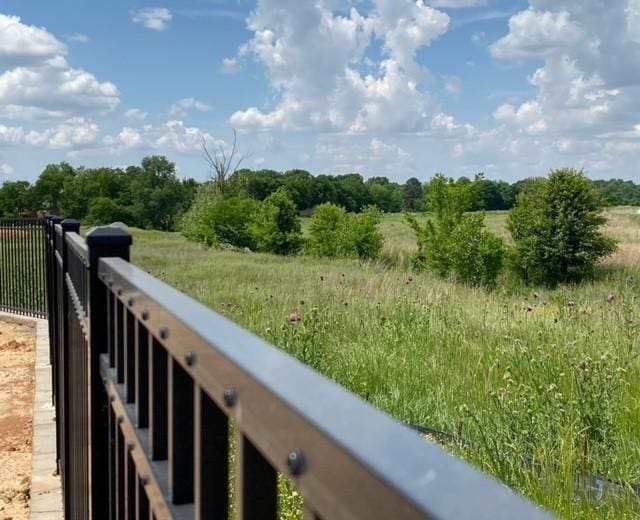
[
  {"x": 51, "y": 304},
  {"x": 105, "y": 241},
  {"x": 64, "y": 358}
]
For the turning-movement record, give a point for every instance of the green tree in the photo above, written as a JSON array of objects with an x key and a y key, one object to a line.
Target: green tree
[
  {"x": 363, "y": 238},
  {"x": 16, "y": 199},
  {"x": 228, "y": 221},
  {"x": 104, "y": 210},
  {"x": 335, "y": 233},
  {"x": 413, "y": 195},
  {"x": 384, "y": 194},
  {"x": 49, "y": 189},
  {"x": 157, "y": 194},
  {"x": 326, "y": 231},
  {"x": 556, "y": 229},
  {"x": 276, "y": 226},
  {"x": 453, "y": 243}
]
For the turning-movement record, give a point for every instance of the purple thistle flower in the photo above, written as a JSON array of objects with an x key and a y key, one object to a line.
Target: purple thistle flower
[
  {"x": 294, "y": 317},
  {"x": 611, "y": 298}
]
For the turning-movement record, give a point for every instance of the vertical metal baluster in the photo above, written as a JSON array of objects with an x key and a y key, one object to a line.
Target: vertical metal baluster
[
  {"x": 142, "y": 375},
  {"x": 130, "y": 485},
  {"x": 11, "y": 262},
  {"x": 180, "y": 434},
  {"x": 142, "y": 501},
  {"x": 120, "y": 468},
  {"x": 158, "y": 401},
  {"x": 111, "y": 328},
  {"x": 3, "y": 265},
  {"x": 113, "y": 435},
  {"x": 211, "y": 431},
  {"x": 257, "y": 483},
  {"x": 119, "y": 341},
  {"x": 129, "y": 355}
]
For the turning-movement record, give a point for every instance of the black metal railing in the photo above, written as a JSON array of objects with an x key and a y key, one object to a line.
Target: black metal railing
[
  {"x": 166, "y": 409},
  {"x": 22, "y": 268}
]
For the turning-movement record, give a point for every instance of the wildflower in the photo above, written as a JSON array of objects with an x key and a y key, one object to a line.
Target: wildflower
[
  {"x": 571, "y": 304},
  {"x": 294, "y": 317},
  {"x": 529, "y": 308},
  {"x": 535, "y": 295},
  {"x": 321, "y": 278},
  {"x": 611, "y": 298}
]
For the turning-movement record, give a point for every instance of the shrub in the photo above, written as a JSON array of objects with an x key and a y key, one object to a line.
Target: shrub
[
  {"x": 192, "y": 223},
  {"x": 227, "y": 222},
  {"x": 276, "y": 226},
  {"x": 362, "y": 236},
  {"x": 452, "y": 242},
  {"x": 326, "y": 231},
  {"x": 555, "y": 228},
  {"x": 335, "y": 233}
]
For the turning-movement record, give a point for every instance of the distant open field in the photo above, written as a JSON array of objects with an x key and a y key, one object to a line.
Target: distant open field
[{"x": 518, "y": 372}]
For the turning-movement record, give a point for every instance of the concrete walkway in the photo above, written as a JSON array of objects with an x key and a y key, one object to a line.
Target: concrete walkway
[{"x": 46, "y": 494}]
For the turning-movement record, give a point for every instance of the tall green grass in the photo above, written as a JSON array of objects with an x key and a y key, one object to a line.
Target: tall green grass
[{"x": 543, "y": 384}]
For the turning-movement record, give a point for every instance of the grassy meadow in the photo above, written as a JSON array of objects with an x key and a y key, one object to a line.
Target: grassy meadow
[{"x": 542, "y": 384}]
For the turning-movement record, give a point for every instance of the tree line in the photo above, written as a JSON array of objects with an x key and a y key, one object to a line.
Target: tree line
[{"x": 150, "y": 195}]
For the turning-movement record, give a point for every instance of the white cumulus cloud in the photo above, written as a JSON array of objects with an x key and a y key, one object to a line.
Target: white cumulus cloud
[
  {"x": 6, "y": 169},
  {"x": 181, "y": 107},
  {"x": 156, "y": 18},
  {"x": 312, "y": 56},
  {"x": 22, "y": 44},
  {"x": 38, "y": 82}
]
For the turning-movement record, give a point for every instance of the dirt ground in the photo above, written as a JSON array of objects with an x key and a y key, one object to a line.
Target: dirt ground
[{"x": 17, "y": 359}]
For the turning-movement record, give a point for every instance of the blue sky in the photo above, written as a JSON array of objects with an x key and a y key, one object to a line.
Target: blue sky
[{"x": 383, "y": 87}]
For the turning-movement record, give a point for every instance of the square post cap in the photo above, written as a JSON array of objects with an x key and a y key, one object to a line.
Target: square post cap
[{"x": 108, "y": 236}]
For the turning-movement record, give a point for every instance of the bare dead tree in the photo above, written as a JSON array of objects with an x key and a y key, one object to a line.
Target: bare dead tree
[{"x": 223, "y": 163}]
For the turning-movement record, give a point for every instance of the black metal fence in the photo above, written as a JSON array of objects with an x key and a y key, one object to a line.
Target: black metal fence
[
  {"x": 22, "y": 267},
  {"x": 167, "y": 410}
]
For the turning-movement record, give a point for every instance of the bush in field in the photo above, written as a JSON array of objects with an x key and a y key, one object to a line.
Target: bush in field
[
  {"x": 192, "y": 223},
  {"x": 335, "y": 233},
  {"x": 227, "y": 222},
  {"x": 326, "y": 231},
  {"x": 362, "y": 236},
  {"x": 555, "y": 228},
  {"x": 452, "y": 242},
  {"x": 276, "y": 226}
]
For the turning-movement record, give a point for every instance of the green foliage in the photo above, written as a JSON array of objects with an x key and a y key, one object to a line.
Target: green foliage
[
  {"x": 104, "y": 210},
  {"x": 452, "y": 242},
  {"x": 326, "y": 231},
  {"x": 159, "y": 195},
  {"x": 49, "y": 189},
  {"x": 555, "y": 228},
  {"x": 618, "y": 192},
  {"x": 335, "y": 233},
  {"x": 413, "y": 195},
  {"x": 276, "y": 225},
  {"x": 227, "y": 221},
  {"x": 363, "y": 238},
  {"x": 16, "y": 199},
  {"x": 192, "y": 224}
]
